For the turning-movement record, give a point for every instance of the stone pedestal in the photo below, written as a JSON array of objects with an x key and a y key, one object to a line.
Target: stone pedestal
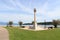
[{"x": 35, "y": 26}]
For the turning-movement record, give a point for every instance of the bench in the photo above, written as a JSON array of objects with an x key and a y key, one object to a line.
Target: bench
[{"x": 50, "y": 27}]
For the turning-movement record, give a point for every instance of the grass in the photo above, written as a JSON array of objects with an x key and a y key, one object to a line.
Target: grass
[{"x": 19, "y": 34}]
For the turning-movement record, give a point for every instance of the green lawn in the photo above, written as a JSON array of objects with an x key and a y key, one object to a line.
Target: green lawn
[{"x": 19, "y": 34}]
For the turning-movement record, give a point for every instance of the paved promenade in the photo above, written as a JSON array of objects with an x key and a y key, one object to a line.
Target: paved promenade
[{"x": 4, "y": 35}]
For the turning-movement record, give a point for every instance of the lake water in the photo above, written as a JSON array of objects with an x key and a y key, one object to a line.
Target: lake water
[
  {"x": 43, "y": 25},
  {"x": 32, "y": 25}
]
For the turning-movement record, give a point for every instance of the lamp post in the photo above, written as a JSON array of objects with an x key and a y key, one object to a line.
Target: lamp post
[
  {"x": 35, "y": 23},
  {"x": 45, "y": 23}
]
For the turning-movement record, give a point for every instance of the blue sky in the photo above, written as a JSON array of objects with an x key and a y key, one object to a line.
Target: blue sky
[{"x": 22, "y": 10}]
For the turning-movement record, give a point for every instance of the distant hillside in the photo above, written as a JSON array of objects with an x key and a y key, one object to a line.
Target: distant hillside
[
  {"x": 45, "y": 23},
  {"x": 40, "y": 23},
  {"x": 27, "y": 24}
]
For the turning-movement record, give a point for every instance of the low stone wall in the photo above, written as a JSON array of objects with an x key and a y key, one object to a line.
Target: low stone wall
[{"x": 26, "y": 27}]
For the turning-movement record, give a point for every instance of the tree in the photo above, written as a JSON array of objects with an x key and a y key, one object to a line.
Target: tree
[
  {"x": 58, "y": 22},
  {"x": 20, "y": 23},
  {"x": 10, "y": 23},
  {"x": 32, "y": 22},
  {"x": 55, "y": 23}
]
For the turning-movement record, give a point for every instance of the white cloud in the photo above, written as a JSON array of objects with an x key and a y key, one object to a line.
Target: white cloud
[
  {"x": 19, "y": 17},
  {"x": 28, "y": 18},
  {"x": 54, "y": 14},
  {"x": 17, "y": 4},
  {"x": 41, "y": 9},
  {"x": 16, "y": 17},
  {"x": 24, "y": 8}
]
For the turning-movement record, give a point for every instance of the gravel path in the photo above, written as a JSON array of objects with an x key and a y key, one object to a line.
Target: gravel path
[{"x": 4, "y": 35}]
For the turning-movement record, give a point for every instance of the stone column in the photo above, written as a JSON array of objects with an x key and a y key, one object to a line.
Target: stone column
[{"x": 35, "y": 23}]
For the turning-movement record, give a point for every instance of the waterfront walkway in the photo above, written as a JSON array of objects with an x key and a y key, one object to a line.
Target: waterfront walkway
[{"x": 4, "y": 35}]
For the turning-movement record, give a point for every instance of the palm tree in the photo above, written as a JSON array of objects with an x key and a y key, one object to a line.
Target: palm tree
[
  {"x": 20, "y": 23},
  {"x": 10, "y": 23}
]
